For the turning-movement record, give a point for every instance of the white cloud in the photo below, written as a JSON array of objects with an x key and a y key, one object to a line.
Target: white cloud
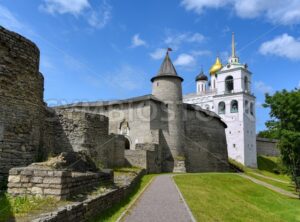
[
  {"x": 158, "y": 53},
  {"x": 185, "y": 60},
  {"x": 262, "y": 87},
  {"x": 137, "y": 41},
  {"x": 201, "y": 53},
  {"x": 101, "y": 17},
  {"x": 200, "y": 5},
  {"x": 285, "y": 46},
  {"x": 280, "y": 12},
  {"x": 126, "y": 78},
  {"x": 74, "y": 7},
  {"x": 175, "y": 40},
  {"x": 9, "y": 20},
  {"x": 96, "y": 17}
]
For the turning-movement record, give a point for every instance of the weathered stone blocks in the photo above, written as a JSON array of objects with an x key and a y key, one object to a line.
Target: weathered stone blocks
[{"x": 60, "y": 184}]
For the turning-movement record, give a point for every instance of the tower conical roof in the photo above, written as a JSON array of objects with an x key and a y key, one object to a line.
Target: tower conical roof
[{"x": 167, "y": 68}]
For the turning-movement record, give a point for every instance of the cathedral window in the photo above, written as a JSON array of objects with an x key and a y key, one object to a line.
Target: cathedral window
[
  {"x": 252, "y": 109},
  {"x": 234, "y": 108},
  {"x": 229, "y": 84},
  {"x": 246, "y": 106},
  {"x": 221, "y": 108},
  {"x": 246, "y": 84}
]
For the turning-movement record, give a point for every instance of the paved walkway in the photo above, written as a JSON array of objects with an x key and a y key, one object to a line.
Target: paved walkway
[
  {"x": 271, "y": 187},
  {"x": 161, "y": 202}
]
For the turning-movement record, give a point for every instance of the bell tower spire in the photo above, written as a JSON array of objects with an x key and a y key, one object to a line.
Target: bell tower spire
[
  {"x": 233, "y": 58},
  {"x": 232, "y": 46}
]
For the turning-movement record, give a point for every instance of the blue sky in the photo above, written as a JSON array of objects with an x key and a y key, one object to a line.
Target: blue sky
[{"x": 109, "y": 49}]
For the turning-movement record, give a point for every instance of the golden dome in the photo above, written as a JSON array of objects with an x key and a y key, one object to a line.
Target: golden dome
[{"x": 216, "y": 67}]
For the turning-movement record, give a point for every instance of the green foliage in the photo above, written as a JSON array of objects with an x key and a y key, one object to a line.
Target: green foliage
[
  {"x": 285, "y": 122},
  {"x": 285, "y": 110},
  {"x": 270, "y": 134},
  {"x": 229, "y": 197}
]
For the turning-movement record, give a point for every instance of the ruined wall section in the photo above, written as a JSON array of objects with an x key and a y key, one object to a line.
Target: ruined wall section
[
  {"x": 80, "y": 131},
  {"x": 21, "y": 101},
  {"x": 205, "y": 142}
]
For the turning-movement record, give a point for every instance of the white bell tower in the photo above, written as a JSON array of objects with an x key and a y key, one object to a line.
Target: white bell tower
[{"x": 236, "y": 106}]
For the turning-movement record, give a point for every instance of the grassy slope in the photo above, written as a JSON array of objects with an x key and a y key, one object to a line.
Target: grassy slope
[
  {"x": 12, "y": 207},
  {"x": 113, "y": 213},
  {"x": 228, "y": 197},
  {"x": 266, "y": 167}
]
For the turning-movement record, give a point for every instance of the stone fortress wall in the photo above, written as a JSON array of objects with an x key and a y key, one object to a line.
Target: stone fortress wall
[
  {"x": 267, "y": 147},
  {"x": 21, "y": 101},
  {"x": 29, "y": 130},
  {"x": 205, "y": 151}
]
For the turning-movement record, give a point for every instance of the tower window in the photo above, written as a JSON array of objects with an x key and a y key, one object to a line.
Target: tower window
[
  {"x": 246, "y": 84},
  {"x": 207, "y": 107},
  {"x": 252, "y": 109},
  {"x": 229, "y": 84},
  {"x": 234, "y": 108},
  {"x": 157, "y": 83},
  {"x": 246, "y": 106},
  {"x": 221, "y": 108}
]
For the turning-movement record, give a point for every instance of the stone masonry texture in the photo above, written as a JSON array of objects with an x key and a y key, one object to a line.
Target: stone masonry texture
[{"x": 29, "y": 130}]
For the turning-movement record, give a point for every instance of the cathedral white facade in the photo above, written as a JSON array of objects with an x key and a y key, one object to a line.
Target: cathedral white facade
[{"x": 228, "y": 94}]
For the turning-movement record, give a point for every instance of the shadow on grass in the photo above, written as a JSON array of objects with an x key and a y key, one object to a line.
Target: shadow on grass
[
  {"x": 109, "y": 213},
  {"x": 6, "y": 213},
  {"x": 268, "y": 164}
]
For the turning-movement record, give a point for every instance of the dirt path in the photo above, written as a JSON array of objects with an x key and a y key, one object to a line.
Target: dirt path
[
  {"x": 271, "y": 187},
  {"x": 270, "y": 178}
]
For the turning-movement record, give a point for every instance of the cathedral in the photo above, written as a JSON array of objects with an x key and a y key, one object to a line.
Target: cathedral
[{"x": 228, "y": 94}]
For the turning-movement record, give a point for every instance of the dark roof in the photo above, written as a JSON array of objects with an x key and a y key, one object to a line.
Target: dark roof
[
  {"x": 201, "y": 76},
  {"x": 113, "y": 102},
  {"x": 167, "y": 69}
]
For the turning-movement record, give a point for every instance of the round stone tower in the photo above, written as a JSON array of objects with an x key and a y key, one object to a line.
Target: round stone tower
[
  {"x": 21, "y": 101},
  {"x": 166, "y": 86}
]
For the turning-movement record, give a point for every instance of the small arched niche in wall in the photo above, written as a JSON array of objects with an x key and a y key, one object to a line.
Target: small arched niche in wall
[{"x": 124, "y": 128}]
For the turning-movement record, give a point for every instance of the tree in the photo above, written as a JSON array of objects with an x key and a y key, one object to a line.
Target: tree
[{"x": 285, "y": 125}]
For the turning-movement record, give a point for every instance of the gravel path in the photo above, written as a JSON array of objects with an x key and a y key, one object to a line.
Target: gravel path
[
  {"x": 161, "y": 202},
  {"x": 271, "y": 187}
]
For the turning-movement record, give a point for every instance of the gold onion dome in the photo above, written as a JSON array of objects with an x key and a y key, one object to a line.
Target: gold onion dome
[{"x": 216, "y": 67}]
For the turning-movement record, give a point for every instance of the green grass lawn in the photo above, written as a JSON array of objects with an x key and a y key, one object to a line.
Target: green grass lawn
[
  {"x": 229, "y": 197},
  {"x": 113, "y": 213}
]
